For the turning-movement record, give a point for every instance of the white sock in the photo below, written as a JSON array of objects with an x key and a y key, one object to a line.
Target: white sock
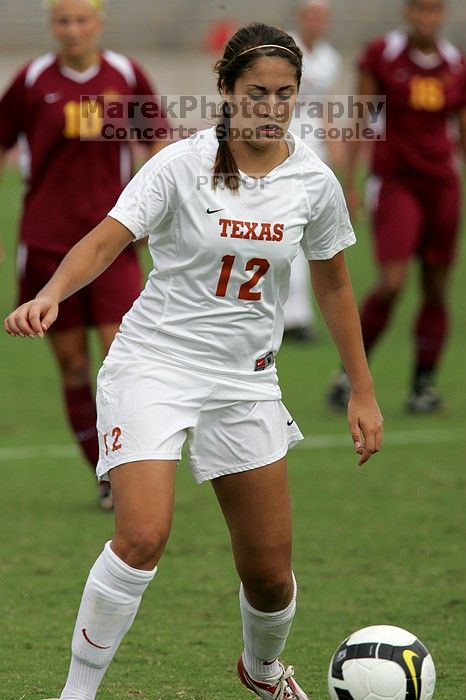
[
  {"x": 265, "y": 636},
  {"x": 110, "y": 601}
]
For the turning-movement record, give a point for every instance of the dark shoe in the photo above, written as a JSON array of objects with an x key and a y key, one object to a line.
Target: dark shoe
[
  {"x": 424, "y": 398},
  {"x": 300, "y": 334},
  {"x": 105, "y": 497},
  {"x": 339, "y": 392}
]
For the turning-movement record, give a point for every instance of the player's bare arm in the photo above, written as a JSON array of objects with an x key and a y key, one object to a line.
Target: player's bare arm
[
  {"x": 86, "y": 260},
  {"x": 334, "y": 294}
]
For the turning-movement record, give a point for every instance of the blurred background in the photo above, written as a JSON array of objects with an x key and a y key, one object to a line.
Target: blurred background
[
  {"x": 176, "y": 39},
  {"x": 384, "y": 544}
]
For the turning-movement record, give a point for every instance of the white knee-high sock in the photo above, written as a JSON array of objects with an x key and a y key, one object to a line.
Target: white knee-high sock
[
  {"x": 265, "y": 636},
  {"x": 110, "y": 601}
]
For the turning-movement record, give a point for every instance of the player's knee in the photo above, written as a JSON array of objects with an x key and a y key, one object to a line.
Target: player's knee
[
  {"x": 390, "y": 291},
  {"x": 435, "y": 296},
  {"x": 75, "y": 369},
  {"x": 142, "y": 547}
]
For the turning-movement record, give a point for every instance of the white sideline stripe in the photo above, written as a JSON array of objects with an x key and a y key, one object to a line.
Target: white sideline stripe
[
  {"x": 310, "y": 442},
  {"x": 22, "y": 453},
  {"x": 396, "y": 438}
]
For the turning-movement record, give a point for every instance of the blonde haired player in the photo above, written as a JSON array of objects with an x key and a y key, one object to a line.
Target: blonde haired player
[
  {"x": 226, "y": 212},
  {"x": 72, "y": 180}
]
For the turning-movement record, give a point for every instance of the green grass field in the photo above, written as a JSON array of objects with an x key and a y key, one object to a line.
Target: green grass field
[{"x": 383, "y": 544}]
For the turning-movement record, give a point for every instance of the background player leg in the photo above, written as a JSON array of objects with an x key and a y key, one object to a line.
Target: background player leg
[
  {"x": 72, "y": 353},
  {"x": 106, "y": 334},
  {"x": 298, "y": 312},
  {"x": 376, "y": 312},
  {"x": 143, "y": 495},
  {"x": 256, "y": 506},
  {"x": 378, "y": 306},
  {"x": 442, "y": 206},
  {"x": 430, "y": 335},
  {"x": 397, "y": 220}
]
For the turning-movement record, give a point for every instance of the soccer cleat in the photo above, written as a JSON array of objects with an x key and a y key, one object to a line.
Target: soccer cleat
[
  {"x": 424, "y": 398},
  {"x": 105, "y": 496},
  {"x": 339, "y": 392},
  {"x": 285, "y": 688}
]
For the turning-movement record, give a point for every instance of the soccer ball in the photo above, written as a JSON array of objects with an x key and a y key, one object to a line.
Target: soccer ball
[{"x": 381, "y": 663}]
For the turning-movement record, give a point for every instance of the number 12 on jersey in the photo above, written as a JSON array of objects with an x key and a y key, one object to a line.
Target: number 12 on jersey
[{"x": 245, "y": 291}]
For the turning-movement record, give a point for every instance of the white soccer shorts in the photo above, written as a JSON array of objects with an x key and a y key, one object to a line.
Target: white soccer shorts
[{"x": 147, "y": 411}]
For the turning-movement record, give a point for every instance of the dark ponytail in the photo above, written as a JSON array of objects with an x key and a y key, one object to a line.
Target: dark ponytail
[
  {"x": 230, "y": 68},
  {"x": 225, "y": 168}
]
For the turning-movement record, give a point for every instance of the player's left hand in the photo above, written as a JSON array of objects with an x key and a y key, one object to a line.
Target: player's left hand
[{"x": 366, "y": 425}]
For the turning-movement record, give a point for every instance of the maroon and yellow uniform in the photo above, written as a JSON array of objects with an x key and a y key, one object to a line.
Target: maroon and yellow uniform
[
  {"x": 417, "y": 193},
  {"x": 71, "y": 182}
]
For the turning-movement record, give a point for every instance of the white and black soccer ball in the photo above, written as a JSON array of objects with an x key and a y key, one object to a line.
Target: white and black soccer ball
[{"x": 381, "y": 663}]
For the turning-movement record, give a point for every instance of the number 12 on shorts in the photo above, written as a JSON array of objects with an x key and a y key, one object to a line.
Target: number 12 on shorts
[
  {"x": 245, "y": 291},
  {"x": 116, "y": 444}
]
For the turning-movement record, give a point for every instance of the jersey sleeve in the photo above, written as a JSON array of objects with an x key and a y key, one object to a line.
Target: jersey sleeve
[
  {"x": 161, "y": 123},
  {"x": 329, "y": 229},
  {"x": 12, "y": 111},
  {"x": 146, "y": 200},
  {"x": 149, "y": 201}
]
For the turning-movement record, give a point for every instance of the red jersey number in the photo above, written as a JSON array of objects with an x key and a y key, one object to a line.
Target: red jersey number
[
  {"x": 116, "y": 444},
  {"x": 245, "y": 291}
]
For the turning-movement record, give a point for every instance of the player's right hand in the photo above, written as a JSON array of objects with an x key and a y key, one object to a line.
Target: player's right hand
[{"x": 33, "y": 318}]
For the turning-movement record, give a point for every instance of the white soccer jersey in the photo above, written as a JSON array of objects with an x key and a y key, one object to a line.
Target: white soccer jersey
[{"x": 214, "y": 299}]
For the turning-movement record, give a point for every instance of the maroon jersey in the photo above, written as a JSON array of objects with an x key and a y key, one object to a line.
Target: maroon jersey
[
  {"x": 70, "y": 183},
  {"x": 421, "y": 96}
]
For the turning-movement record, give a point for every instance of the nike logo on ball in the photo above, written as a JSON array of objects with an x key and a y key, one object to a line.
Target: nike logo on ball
[
  {"x": 213, "y": 211},
  {"x": 89, "y": 641},
  {"x": 408, "y": 656},
  {"x": 290, "y": 422}
]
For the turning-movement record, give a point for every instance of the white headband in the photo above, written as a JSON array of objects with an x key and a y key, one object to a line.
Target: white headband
[{"x": 267, "y": 46}]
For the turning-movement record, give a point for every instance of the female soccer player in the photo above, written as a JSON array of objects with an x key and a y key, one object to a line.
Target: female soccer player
[
  {"x": 226, "y": 212},
  {"x": 415, "y": 186},
  {"x": 71, "y": 184}
]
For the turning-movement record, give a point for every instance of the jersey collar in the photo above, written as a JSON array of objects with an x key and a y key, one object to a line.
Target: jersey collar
[
  {"x": 397, "y": 41},
  {"x": 79, "y": 76}
]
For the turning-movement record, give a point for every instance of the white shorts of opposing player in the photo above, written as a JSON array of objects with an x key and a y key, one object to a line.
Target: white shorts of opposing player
[
  {"x": 298, "y": 311},
  {"x": 146, "y": 411}
]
